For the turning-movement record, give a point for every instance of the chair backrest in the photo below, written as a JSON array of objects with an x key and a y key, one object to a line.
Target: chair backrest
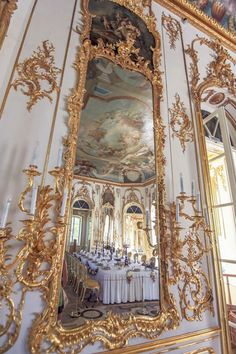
[
  {"x": 143, "y": 258},
  {"x": 136, "y": 257},
  {"x": 82, "y": 273},
  {"x": 153, "y": 261},
  {"x": 129, "y": 255}
]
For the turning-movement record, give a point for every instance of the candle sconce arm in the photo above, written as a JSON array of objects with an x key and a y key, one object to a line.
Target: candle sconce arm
[{"x": 31, "y": 172}]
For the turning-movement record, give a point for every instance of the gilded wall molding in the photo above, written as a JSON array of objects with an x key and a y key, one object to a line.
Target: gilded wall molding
[
  {"x": 204, "y": 350},
  {"x": 173, "y": 29},
  {"x": 180, "y": 123},
  {"x": 37, "y": 75},
  {"x": 7, "y": 7},
  {"x": 218, "y": 73},
  {"x": 200, "y": 20}
]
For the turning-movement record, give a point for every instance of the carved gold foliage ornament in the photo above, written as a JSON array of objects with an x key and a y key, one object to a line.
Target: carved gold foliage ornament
[
  {"x": 10, "y": 325},
  {"x": 219, "y": 72},
  {"x": 186, "y": 10},
  {"x": 7, "y": 7},
  {"x": 180, "y": 123},
  {"x": 39, "y": 262},
  {"x": 173, "y": 29},
  {"x": 83, "y": 193},
  {"x": 37, "y": 75},
  {"x": 189, "y": 245},
  {"x": 114, "y": 331}
]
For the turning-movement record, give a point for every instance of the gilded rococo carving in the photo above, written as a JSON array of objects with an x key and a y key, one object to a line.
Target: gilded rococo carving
[
  {"x": 173, "y": 29},
  {"x": 187, "y": 11},
  {"x": 7, "y": 7},
  {"x": 114, "y": 331},
  {"x": 180, "y": 123},
  {"x": 39, "y": 262},
  {"x": 37, "y": 71},
  {"x": 219, "y": 73}
]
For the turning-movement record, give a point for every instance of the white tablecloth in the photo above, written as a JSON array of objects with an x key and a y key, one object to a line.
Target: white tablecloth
[{"x": 115, "y": 287}]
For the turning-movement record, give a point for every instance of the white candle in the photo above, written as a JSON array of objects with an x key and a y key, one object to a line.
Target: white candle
[
  {"x": 5, "y": 213},
  {"x": 33, "y": 200},
  {"x": 35, "y": 154},
  {"x": 192, "y": 188},
  {"x": 59, "y": 156},
  {"x": 177, "y": 210},
  {"x": 198, "y": 205},
  {"x": 147, "y": 214},
  {"x": 181, "y": 183},
  {"x": 64, "y": 200}
]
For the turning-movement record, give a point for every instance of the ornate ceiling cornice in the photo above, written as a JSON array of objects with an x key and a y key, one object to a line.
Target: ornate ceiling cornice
[{"x": 201, "y": 21}]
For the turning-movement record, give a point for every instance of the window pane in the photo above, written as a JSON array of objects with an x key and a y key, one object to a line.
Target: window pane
[
  {"x": 229, "y": 276},
  {"x": 234, "y": 158},
  {"x": 219, "y": 176},
  {"x": 76, "y": 227},
  {"x": 225, "y": 230}
]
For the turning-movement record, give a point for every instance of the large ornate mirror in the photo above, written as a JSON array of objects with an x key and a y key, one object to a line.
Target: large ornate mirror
[
  {"x": 110, "y": 261},
  {"x": 113, "y": 284}
]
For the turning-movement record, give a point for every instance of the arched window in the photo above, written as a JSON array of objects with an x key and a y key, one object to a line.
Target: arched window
[
  {"x": 81, "y": 204},
  {"x": 80, "y": 223},
  {"x": 134, "y": 209}
]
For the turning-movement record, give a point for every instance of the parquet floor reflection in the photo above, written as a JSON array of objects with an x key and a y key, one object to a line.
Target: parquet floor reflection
[{"x": 99, "y": 310}]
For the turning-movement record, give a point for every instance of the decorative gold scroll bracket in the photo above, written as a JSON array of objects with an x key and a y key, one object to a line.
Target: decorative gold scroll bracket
[
  {"x": 173, "y": 29},
  {"x": 180, "y": 123},
  {"x": 39, "y": 68}
]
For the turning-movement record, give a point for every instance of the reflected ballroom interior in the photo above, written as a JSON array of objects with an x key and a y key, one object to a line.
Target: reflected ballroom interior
[{"x": 111, "y": 261}]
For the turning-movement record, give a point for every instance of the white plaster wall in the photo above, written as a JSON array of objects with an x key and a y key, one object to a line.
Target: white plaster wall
[{"x": 19, "y": 129}]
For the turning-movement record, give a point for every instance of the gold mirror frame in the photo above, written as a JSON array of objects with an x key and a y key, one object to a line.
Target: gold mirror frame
[{"x": 115, "y": 331}]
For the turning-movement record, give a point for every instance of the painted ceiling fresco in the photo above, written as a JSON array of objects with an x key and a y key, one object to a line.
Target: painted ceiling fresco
[
  {"x": 223, "y": 11},
  {"x": 116, "y": 141}
]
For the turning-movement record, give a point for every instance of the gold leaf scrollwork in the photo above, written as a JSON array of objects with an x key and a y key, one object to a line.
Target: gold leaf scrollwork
[
  {"x": 180, "y": 123},
  {"x": 219, "y": 71},
  {"x": 38, "y": 259},
  {"x": 7, "y": 7},
  {"x": 114, "y": 331},
  {"x": 173, "y": 29},
  {"x": 13, "y": 316},
  {"x": 38, "y": 75},
  {"x": 188, "y": 250}
]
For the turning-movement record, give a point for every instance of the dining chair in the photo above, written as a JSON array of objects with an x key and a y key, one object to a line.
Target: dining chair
[{"x": 87, "y": 283}]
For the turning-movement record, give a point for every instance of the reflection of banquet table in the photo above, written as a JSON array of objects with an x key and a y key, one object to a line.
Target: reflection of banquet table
[{"x": 115, "y": 288}]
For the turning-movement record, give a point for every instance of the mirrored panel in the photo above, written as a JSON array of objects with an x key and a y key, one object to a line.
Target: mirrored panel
[
  {"x": 109, "y": 254},
  {"x": 111, "y": 262}
]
